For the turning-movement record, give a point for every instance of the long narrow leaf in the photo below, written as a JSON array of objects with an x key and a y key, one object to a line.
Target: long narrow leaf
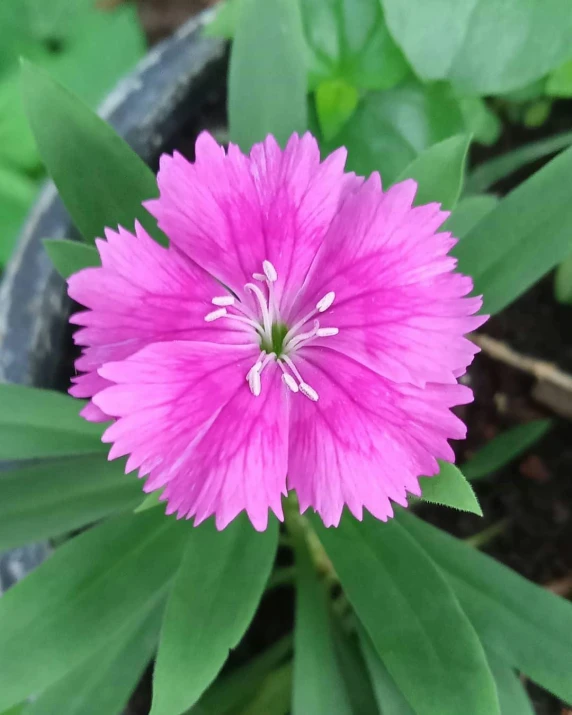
[
  {"x": 267, "y": 76},
  {"x": 507, "y": 446},
  {"x": 71, "y": 606},
  {"x": 520, "y": 240},
  {"x": 214, "y": 598},
  {"x": 523, "y": 624},
  {"x": 412, "y": 617},
  {"x": 318, "y": 683},
  {"x": 57, "y": 496},
  {"x": 105, "y": 681},
  {"x": 100, "y": 178},
  {"x": 487, "y": 174}
]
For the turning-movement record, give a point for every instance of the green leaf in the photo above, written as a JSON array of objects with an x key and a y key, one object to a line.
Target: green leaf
[
  {"x": 236, "y": 689},
  {"x": 16, "y": 195},
  {"x": 537, "y": 114},
  {"x": 54, "y": 497},
  {"x": 105, "y": 681},
  {"x": 439, "y": 172},
  {"x": 348, "y": 40},
  {"x": 525, "y": 236},
  {"x": 225, "y": 20},
  {"x": 70, "y": 257},
  {"x": 559, "y": 82},
  {"x": 526, "y": 626},
  {"x": 16, "y": 710},
  {"x": 389, "y": 129},
  {"x": 507, "y": 446},
  {"x": 267, "y": 75},
  {"x": 214, "y": 598},
  {"x": 450, "y": 488},
  {"x": 80, "y": 30},
  {"x": 274, "y": 697},
  {"x": 17, "y": 145},
  {"x": 71, "y": 605},
  {"x": 512, "y": 693},
  {"x": 429, "y": 43},
  {"x": 336, "y": 101},
  {"x": 42, "y": 423},
  {"x": 318, "y": 683},
  {"x": 483, "y": 48},
  {"x": 389, "y": 698},
  {"x": 354, "y": 670},
  {"x": 489, "y": 172},
  {"x": 468, "y": 212},
  {"x": 563, "y": 282},
  {"x": 412, "y": 617},
  {"x": 149, "y": 502},
  {"x": 100, "y": 179},
  {"x": 82, "y": 67},
  {"x": 480, "y": 120}
]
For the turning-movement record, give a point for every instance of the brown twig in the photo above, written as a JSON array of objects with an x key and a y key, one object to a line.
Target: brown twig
[{"x": 553, "y": 388}]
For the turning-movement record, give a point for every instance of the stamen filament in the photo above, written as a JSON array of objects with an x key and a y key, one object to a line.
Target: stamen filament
[
  {"x": 322, "y": 305},
  {"x": 245, "y": 321},
  {"x": 263, "y": 307}
]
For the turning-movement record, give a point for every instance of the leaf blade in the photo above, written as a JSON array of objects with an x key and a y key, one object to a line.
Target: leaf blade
[
  {"x": 268, "y": 38},
  {"x": 111, "y": 183},
  {"x": 502, "y": 252},
  {"x": 439, "y": 171},
  {"x": 318, "y": 682},
  {"x": 71, "y": 605},
  {"x": 69, "y": 257},
  {"x": 501, "y": 450},
  {"x": 433, "y": 654},
  {"x": 104, "y": 683},
  {"x": 202, "y": 624},
  {"x": 523, "y": 624},
  {"x": 450, "y": 488},
  {"x": 389, "y": 698},
  {"x": 40, "y": 501}
]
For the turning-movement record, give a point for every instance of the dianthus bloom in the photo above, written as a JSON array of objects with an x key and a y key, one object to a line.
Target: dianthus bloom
[{"x": 304, "y": 330}]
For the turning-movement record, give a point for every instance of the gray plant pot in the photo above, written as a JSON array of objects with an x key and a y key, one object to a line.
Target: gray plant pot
[{"x": 167, "y": 95}]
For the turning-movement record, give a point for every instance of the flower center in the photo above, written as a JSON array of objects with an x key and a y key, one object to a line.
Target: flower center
[{"x": 278, "y": 342}]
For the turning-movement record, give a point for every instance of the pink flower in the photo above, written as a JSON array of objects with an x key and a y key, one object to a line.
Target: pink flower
[{"x": 304, "y": 330}]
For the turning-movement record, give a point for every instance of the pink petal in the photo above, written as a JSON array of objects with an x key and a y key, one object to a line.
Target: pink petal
[
  {"x": 399, "y": 307},
  {"x": 229, "y": 212},
  {"x": 143, "y": 293},
  {"x": 366, "y": 440},
  {"x": 187, "y": 418}
]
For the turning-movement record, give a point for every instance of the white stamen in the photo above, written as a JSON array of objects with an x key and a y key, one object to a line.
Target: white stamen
[
  {"x": 215, "y": 315},
  {"x": 292, "y": 367},
  {"x": 290, "y": 382},
  {"x": 269, "y": 271},
  {"x": 253, "y": 375},
  {"x": 254, "y": 382},
  {"x": 263, "y": 315},
  {"x": 325, "y": 302},
  {"x": 326, "y": 332},
  {"x": 246, "y": 321},
  {"x": 223, "y": 300},
  {"x": 302, "y": 337},
  {"x": 308, "y": 391},
  {"x": 263, "y": 306}
]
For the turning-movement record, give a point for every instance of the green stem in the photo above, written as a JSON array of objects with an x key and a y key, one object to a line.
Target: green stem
[{"x": 486, "y": 535}]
